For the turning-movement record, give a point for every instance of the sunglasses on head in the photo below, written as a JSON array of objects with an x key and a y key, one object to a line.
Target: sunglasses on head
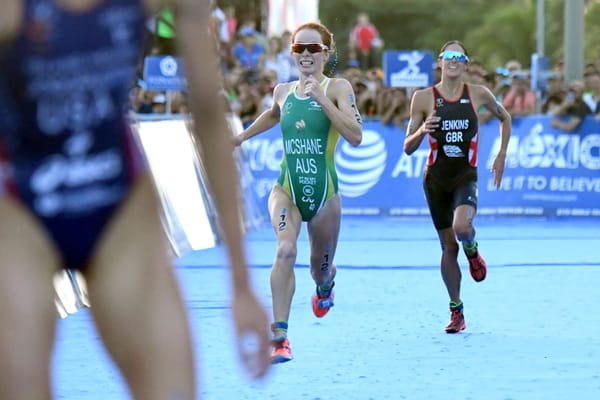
[
  {"x": 453, "y": 55},
  {"x": 311, "y": 47}
]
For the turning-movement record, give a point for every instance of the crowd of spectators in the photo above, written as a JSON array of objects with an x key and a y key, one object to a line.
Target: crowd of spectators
[{"x": 252, "y": 64}]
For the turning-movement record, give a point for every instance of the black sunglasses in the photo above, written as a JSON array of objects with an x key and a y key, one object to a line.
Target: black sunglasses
[{"x": 311, "y": 47}]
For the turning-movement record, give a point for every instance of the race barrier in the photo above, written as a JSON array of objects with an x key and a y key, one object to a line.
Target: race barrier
[
  {"x": 548, "y": 172},
  {"x": 188, "y": 212}
]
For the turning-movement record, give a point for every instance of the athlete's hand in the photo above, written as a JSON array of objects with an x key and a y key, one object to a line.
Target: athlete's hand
[
  {"x": 312, "y": 88},
  {"x": 498, "y": 168},
  {"x": 431, "y": 123},
  {"x": 251, "y": 328}
]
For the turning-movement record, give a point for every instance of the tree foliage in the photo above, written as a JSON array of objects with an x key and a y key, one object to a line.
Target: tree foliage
[{"x": 494, "y": 32}]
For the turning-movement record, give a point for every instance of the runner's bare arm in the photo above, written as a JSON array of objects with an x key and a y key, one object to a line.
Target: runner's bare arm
[
  {"x": 342, "y": 111},
  {"x": 488, "y": 100},
  {"x": 212, "y": 134},
  {"x": 416, "y": 129},
  {"x": 267, "y": 119}
]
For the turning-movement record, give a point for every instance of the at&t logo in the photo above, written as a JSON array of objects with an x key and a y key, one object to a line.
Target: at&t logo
[{"x": 360, "y": 168}]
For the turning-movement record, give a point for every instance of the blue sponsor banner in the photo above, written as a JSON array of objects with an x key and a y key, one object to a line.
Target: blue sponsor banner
[
  {"x": 547, "y": 173},
  {"x": 408, "y": 68},
  {"x": 164, "y": 73}
]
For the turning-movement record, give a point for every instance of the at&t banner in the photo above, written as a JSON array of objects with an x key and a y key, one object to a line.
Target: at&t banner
[{"x": 548, "y": 172}]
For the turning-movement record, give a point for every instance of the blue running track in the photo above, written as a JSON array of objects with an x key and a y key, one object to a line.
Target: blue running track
[{"x": 533, "y": 326}]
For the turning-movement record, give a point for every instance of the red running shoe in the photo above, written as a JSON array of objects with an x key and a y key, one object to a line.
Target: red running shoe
[
  {"x": 282, "y": 352},
  {"x": 457, "y": 322},
  {"x": 321, "y": 304},
  {"x": 477, "y": 267}
]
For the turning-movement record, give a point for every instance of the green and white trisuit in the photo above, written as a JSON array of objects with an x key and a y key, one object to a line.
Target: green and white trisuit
[{"x": 307, "y": 170}]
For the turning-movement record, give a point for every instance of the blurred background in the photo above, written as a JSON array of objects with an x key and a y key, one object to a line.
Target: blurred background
[{"x": 494, "y": 31}]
